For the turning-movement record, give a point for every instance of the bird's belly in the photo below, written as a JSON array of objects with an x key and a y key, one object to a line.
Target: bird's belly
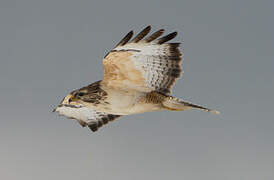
[{"x": 125, "y": 103}]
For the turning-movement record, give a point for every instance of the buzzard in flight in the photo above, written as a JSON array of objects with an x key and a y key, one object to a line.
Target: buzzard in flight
[{"x": 138, "y": 77}]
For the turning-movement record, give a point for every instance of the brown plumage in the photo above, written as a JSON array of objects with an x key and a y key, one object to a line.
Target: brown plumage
[
  {"x": 125, "y": 39},
  {"x": 141, "y": 35},
  {"x": 155, "y": 35},
  {"x": 138, "y": 77},
  {"x": 166, "y": 38}
]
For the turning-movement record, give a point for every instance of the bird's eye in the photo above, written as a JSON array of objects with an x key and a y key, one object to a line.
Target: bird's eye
[{"x": 80, "y": 94}]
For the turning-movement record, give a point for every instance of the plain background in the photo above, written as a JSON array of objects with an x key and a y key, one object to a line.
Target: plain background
[{"x": 50, "y": 47}]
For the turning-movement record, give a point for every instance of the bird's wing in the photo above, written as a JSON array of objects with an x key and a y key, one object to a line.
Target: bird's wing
[
  {"x": 87, "y": 116},
  {"x": 143, "y": 64}
]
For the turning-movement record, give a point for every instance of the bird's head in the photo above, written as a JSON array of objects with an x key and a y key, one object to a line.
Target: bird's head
[
  {"x": 74, "y": 99},
  {"x": 80, "y": 98},
  {"x": 73, "y": 107}
]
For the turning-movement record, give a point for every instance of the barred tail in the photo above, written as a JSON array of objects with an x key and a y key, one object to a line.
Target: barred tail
[{"x": 175, "y": 104}]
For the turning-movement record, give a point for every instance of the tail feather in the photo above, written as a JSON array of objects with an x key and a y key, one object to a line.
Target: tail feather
[{"x": 175, "y": 104}]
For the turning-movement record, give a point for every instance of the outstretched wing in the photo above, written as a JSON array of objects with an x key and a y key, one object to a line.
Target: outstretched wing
[
  {"x": 143, "y": 64},
  {"x": 86, "y": 116}
]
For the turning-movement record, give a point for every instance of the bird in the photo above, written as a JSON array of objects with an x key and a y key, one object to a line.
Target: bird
[{"x": 139, "y": 74}]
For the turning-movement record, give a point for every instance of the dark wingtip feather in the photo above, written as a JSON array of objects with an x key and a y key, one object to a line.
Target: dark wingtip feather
[
  {"x": 167, "y": 38},
  {"x": 82, "y": 123},
  {"x": 174, "y": 51},
  {"x": 142, "y": 34},
  {"x": 113, "y": 117},
  {"x": 125, "y": 39},
  {"x": 105, "y": 120},
  {"x": 93, "y": 127},
  {"x": 155, "y": 35}
]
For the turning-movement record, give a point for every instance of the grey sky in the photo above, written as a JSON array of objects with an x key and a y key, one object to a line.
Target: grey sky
[{"x": 48, "y": 48}]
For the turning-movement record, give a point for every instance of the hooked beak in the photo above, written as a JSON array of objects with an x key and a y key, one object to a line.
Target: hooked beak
[
  {"x": 71, "y": 99},
  {"x": 56, "y": 108}
]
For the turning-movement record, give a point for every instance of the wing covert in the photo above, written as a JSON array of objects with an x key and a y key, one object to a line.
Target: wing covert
[{"x": 144, "y": 64}]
